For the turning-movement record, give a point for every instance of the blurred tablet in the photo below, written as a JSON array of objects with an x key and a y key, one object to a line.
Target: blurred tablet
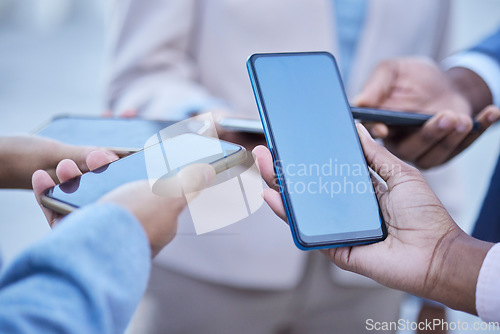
[{"x": 117, "y": 134}]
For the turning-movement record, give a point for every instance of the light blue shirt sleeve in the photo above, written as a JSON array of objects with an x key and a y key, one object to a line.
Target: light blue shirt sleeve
[{"x": 87, "y": 276}]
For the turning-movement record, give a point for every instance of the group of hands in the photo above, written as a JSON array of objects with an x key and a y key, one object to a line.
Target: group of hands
[{"x": 423, "y": 241}]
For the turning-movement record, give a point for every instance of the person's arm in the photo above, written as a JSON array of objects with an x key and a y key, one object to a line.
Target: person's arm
[
  {"x": 476, "y": 72},
  {"x": 86, "y": 277},
  {"x": 471, "y": 85},
  {"x": 21, "y": 156},
  {"x": 480, "y": 72},
  {"x": 89, "y": 274},
  {"x": 155, "y": 75},
  {"x": 425, "y": 252}
]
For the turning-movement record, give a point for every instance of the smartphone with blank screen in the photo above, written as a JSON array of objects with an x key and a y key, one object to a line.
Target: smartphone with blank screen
[
  {"x": 156, "y": 162},
  {"x": 320, "y": 166}
]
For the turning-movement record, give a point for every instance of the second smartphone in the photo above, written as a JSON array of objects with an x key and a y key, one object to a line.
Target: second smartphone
[
  {"x": 155, "y": 162},
  {"x": 321, "y": 169}
]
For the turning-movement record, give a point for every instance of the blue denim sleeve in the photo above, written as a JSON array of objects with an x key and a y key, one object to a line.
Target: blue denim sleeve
[{"x": 87, "y": 276}]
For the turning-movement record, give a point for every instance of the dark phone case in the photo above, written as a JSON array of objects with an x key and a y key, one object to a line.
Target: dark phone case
[{"x": 398, "y": 118}]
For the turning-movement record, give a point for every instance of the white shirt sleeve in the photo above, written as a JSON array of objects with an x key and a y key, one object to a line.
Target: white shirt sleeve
[
  {"x": 483, "y": 65},
  {"x": 488, "y": 287}
]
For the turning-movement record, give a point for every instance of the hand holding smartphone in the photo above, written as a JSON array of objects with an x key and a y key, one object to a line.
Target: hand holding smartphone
[
  {"x": 155, "y": 162},
  {"x": 322, "y": 173}
]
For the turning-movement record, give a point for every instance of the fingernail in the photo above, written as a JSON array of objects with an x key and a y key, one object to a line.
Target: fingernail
[
  {"x": 262, "y": 194},
  {"x": 461, "y": 126},
  {"x": 444, "y": 123},
  {"x": 110, "y": 156},
  {"x": 492, "y": 117}
]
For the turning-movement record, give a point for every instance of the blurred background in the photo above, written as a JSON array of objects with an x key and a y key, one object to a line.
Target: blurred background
[{"x": 52, "y": 61}]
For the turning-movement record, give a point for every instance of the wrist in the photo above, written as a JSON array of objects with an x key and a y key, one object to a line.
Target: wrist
[
  {"x": 455, "y": 273},
  {"x": 471, "y": 86}
]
